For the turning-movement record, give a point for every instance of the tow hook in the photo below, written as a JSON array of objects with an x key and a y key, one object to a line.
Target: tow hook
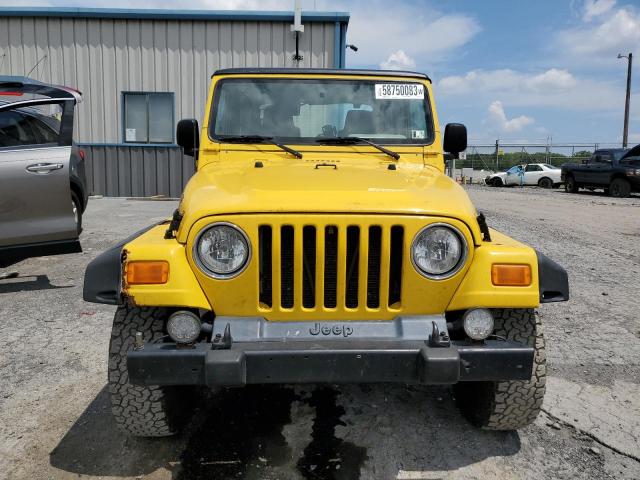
[
  {"x": 138, "y": 343},
  {"x": 438, "y": 339},
  {"x": 224, "y": 341}
]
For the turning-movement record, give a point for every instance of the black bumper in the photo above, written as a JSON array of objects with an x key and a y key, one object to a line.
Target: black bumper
[{"x": 361, "y": 361}]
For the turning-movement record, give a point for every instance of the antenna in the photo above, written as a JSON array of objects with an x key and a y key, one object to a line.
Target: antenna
[
  {"x": 297, "y": 17},
  {"x": 37, "y": 63},
  {"x": 297, "y": 27}
]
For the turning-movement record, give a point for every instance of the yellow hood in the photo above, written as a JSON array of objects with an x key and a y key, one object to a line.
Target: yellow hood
[{"x": 316, "y": 186}]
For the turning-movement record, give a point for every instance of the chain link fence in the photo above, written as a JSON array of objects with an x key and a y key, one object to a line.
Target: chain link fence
[{"x": 499, "y": 157}]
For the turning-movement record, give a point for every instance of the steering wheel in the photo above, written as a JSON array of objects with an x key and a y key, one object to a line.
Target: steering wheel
[{"x": 328, "y": 131}]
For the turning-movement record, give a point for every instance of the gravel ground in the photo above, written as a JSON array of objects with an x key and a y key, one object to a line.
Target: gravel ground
[{"x": 55, "y": 420}]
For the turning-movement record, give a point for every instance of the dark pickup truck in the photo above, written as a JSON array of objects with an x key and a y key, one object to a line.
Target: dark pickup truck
[{"x": 616, "y": 170}]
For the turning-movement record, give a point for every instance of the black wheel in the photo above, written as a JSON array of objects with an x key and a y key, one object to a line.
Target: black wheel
[
  {"x": 545, "y": 182},
  {"x": 570, "y": 185},
  {"x": 619, "y": 188},
  {"x": 514, "y": 404},
  {"x": 77, "y": 212},
  {"x": 142, "y": 411},
  {"x": 497, "y": 182}
]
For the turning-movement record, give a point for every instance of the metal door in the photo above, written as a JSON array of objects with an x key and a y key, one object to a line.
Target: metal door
[
  {"x": 604, "y": 169},
  {"x": 35, "y": 195},
  {"x": 532, "y": 174}
]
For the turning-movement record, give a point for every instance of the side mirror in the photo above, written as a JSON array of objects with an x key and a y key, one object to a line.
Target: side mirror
[
  {"x": 187, "y": 136},
  {"x": 455, "y": 138}
]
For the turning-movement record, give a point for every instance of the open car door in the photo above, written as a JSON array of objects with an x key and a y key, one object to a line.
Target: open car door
[{"x": 36, "y": 133}]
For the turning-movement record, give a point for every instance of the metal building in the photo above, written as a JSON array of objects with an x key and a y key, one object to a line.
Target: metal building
[{"x": 142, "y": 70}]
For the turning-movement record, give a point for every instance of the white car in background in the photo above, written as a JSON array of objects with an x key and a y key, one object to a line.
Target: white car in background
[{"x": 540, "y": 174}]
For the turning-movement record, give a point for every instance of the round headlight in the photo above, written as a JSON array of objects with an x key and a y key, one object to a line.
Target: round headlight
[
  {"x": 478, "y": 323},
  {"x": 184, "y": 327},
  {"x": 222, "y": 250},
  {"x": 438, "y": 251}
]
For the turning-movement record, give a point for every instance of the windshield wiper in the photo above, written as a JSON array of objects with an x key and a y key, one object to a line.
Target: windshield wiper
[
  {"x": 258, "y": 139},
  {"x": 352, "y": 140}
]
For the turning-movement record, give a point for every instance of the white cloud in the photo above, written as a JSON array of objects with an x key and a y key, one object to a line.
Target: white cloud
[
  {"x": 380, "y": 29},
  {"x": 398, "y": 61},
  {"x": 497, "y": 118},
  {"x": 244, "y": 4},
  {"x": 552, "y": 80},
  {"x": 595, "y": 8},
  {"x": 555, "y": 88},
  {"x": 616, "y": 32}
]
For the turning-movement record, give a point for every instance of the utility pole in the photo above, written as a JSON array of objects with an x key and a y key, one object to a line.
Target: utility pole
[
  {"x": 497, "y": 152},
  {"x": 625, "y": 132}
]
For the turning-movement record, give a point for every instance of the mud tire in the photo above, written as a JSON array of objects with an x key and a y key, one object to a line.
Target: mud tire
[
  {"x": 142, "y": 411},
  {"x": 508, "y": 405}
]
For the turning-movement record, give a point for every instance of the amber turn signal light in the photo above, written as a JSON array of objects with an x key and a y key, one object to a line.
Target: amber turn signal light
[
  {"x": 147, "y": 272},
  {"x": 511, "y": 275}
]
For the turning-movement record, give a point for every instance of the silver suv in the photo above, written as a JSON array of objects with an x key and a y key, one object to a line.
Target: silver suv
[{"x": 42, "y": 178}]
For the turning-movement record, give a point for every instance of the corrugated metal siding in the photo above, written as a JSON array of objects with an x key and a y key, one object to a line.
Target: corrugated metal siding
[
  {"x": 126, "y": 171},
  {"x": 103, "y": 57}
]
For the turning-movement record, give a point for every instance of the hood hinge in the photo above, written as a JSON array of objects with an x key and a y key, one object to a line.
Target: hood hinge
[{"x": 174, "y": 225}]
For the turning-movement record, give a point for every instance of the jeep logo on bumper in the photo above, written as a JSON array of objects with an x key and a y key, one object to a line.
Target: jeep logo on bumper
[{"x": 327, "y": 330}]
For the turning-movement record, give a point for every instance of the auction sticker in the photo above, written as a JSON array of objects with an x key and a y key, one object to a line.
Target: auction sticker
[{"x": 399, "y": 91}]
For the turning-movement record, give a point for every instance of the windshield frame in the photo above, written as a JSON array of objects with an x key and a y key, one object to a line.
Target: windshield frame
[{"x": 311, "y": 141}]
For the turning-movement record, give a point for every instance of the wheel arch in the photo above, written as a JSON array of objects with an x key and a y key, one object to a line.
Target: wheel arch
[
  {"x": 546, "y": 177},
  {"x": 618, "y": 175},
  {"x": 78, "y": 190}
]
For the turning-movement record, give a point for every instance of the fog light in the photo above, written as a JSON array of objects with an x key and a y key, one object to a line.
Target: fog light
[
  {"x": 478, "y": 323},
  {"x": 184, "y": 327}
]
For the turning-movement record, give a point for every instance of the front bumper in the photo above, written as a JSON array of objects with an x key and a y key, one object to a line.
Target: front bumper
[{"x": 329, "y": 361}]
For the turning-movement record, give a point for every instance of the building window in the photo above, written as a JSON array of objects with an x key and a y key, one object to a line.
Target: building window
[{"x": 148, "y": 117}]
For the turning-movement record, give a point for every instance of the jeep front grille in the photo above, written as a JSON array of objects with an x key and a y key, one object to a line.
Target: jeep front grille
[{"x": 330, "y": 267}]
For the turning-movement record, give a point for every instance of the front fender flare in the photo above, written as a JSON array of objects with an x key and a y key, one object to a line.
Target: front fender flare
[
  {"x": 553, "y": 280},
  {"x": 103, "y": 276}
]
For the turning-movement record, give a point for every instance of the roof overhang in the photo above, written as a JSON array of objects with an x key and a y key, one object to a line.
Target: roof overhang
[{"x": 166, "y": 14}]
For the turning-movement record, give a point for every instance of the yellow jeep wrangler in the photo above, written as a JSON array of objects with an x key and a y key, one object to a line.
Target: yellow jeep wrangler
[{"x": 320, "y": 242}]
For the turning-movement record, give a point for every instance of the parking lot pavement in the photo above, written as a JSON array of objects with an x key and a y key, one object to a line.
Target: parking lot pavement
[{"x": 54, "y": 412}]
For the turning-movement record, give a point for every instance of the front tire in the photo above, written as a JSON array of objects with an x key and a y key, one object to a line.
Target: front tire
[
  {"x": 142, "y": 411},
  {"x": 497, "y": 182},
  {"x": 570, "y": 185},
  {"x": 508, "y": 405}
]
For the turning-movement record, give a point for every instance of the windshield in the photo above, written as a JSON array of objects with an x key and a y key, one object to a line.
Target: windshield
[{"x": 302, "y": 110}]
